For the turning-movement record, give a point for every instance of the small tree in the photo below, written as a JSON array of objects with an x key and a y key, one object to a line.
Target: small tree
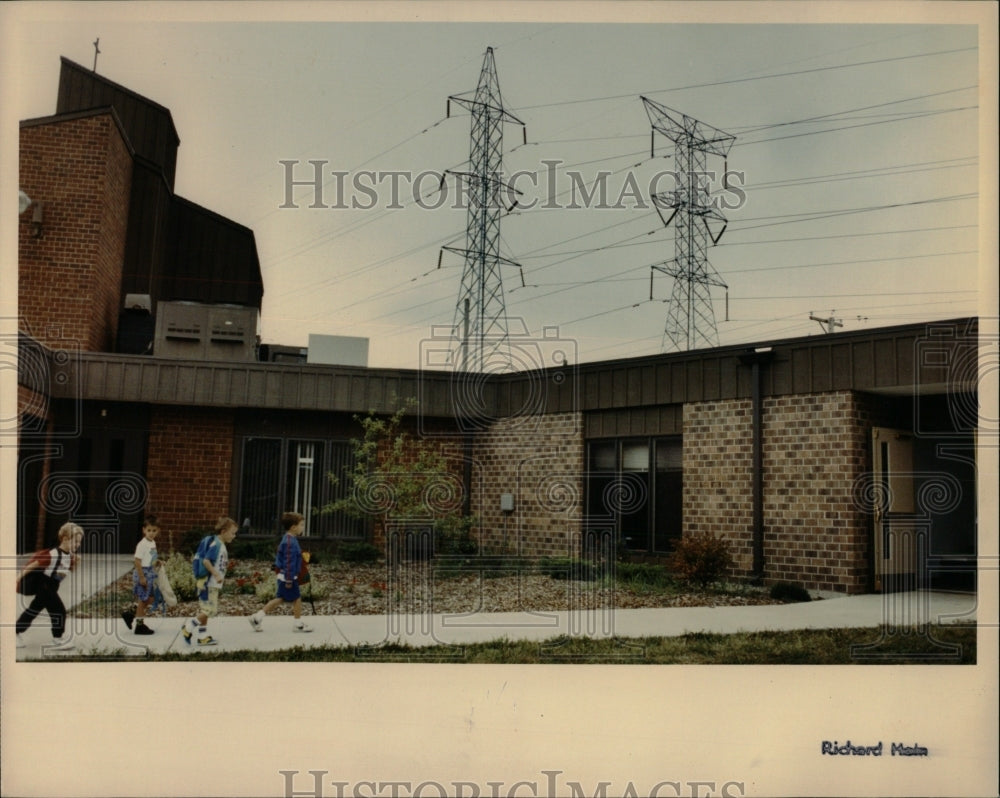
[
  {"x": 398, "y": 478},
  {"x": 700, "y": 558}
]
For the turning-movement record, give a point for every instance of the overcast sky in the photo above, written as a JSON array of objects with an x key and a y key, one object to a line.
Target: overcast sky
[{"x": 856, "y": 149}]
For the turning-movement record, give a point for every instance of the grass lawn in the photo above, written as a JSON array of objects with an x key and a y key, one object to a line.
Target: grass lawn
[{"x": 951, "y": 644}]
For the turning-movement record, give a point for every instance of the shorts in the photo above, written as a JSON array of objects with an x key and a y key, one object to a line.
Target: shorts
[
  {"x": 289, "y": 593},
  {"x": 144, "y": 593},
  {"x": 208, "y": 599}
]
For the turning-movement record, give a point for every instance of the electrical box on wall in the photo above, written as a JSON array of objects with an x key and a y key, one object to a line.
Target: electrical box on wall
[{"x": 507, "y": 502}]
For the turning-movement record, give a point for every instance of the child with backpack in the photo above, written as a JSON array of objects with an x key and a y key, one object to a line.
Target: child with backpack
[
  {"x": 41, "y": 578},
  {"x": 289, "y": 567},
  {"x": 209, "y": 565},
  {"x": 143, "y": 577}
]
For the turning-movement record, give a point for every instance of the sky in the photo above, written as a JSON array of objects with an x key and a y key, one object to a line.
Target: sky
[{"x": 853, "y": 193}]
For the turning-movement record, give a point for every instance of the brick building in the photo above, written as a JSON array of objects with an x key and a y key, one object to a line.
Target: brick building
[{"x": 843, "y": 462}]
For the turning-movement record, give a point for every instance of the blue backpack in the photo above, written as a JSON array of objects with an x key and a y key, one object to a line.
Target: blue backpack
[{"x": 205, "y": 551}]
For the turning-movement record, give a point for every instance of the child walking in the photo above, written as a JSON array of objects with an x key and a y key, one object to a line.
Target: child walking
[
  {"x": 215, "y": 559},
  {"x": 143, "y": 577},
  {"x": 41, "y": 578},
  {"x": 287, "y": 563}
]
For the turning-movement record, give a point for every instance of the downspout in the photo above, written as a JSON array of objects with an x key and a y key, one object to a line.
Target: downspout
[
  {"x": 758, "y": 476},
  {"x": 755, "y": 359}
]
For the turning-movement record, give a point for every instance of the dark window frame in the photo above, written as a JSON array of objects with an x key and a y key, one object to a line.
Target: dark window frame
[
  {"x": 335, "y": 456},
  {"x": 617, "y": 496}
]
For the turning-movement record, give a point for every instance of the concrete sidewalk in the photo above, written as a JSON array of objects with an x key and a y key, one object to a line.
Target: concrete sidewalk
[{"x": 109, "y": 636}]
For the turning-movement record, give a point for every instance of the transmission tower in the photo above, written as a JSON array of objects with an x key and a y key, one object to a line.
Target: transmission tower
[
  {"x": 480, "y": 336},
  {"x": 690, "y": 316}
]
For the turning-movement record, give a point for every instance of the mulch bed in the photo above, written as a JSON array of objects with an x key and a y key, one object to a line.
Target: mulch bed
[{"x": 415, "y": 588}]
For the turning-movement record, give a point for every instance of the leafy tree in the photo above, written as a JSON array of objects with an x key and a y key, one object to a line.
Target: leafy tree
[{"x": 402, "y": 480}]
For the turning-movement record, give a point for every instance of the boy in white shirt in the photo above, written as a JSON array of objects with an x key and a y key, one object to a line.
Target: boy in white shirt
[{"x": 143, "y": 577}]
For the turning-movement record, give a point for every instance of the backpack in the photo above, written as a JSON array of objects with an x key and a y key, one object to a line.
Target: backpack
[{"x": 198, "y": 561}]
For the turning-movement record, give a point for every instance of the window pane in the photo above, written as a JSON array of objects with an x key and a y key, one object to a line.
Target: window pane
[
  {"x": 635, "y": 456},
  {"x": 633, "y": 506},
  {"x": 260, "y": 481},
  {"x": 305, "y": 459},
  {"x": 602, "y": 456},
  {"x": 669, "y": 494},
  {"x": 669, "y": 454},
  {"x": 339, "y": 463}
]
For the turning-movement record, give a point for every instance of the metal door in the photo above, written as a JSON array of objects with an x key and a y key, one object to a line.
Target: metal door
[{"x": 896, "y": 533}]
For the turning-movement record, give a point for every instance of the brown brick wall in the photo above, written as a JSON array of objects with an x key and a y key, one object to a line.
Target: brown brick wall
[
  {"x": 189, "y": 468},
  {"x": 69, "y": 279},
  {"x": 814, "y": 446},
  {"x": 541, "y": 462}
]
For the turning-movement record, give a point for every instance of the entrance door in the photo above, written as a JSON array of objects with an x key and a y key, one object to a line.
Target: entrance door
[{"x": 897, "y": 531}]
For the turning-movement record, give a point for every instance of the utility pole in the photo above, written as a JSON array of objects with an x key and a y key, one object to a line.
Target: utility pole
[
  {"x": 827, "y": 324},
  {"x": 479, "y": 329},
  {"x": 690, "y": 316}
]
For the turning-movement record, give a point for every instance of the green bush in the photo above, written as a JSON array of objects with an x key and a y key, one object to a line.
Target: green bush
[
  {"x": 188, "y": 542},
  {"x": 453, "y": 535},
  {"x": 181, "y": 577},
  {"x": 267, "y": 589},
  {"x": 487, "y": 566},
  {"x": 641, "y": 574},
  {"x": 568, "y": 568},
  {"x": 789, "y": 592},
  {"x": 700, "y": 558},
  {"x": 255, "y": 549},
  {"x": 359, "y": 552}
]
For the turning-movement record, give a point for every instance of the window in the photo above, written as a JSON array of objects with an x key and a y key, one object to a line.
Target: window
[
  {"x": 636, "y": 485},
  {"x": 280, "y": 474}
]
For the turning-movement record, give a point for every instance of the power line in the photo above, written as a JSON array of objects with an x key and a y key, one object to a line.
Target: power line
[
  {"x": 915, "y": 115},
  {"x": 855, "y": 110},
  {"x": 750, "y": 79}
]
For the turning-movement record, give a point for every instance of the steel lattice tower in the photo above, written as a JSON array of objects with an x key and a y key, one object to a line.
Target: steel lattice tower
[
  {"x": 480, "y": 336},
  {"x": 690, "y": 316}
]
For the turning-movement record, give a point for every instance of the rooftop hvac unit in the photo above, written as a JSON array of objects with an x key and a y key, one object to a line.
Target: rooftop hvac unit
[
  {"x": 197, "y": 331},
  {"x": 338, "y": 350}
]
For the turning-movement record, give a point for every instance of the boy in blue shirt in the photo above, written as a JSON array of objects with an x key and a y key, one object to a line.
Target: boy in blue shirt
[{"x": 287, "y": 564}]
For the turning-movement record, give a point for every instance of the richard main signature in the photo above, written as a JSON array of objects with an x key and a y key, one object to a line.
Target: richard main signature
[{"x": 848, "y": 748}]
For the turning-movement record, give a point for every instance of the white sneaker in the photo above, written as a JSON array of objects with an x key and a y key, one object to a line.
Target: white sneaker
[
  {"x": 20, "y": 641},
  {"x": 58, "y": 644},
  {"x": 302, "y": 627},
  {"x": 256, "y": 622}
]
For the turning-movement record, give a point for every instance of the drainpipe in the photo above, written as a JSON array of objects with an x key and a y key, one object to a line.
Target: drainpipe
[{"x": 755, "y": 359}]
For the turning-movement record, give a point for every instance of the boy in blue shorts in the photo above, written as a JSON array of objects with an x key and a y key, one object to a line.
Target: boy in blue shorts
[
  {"x": 287, "y": 564},
  {"x": 215, "y": 562},
  {"x": 143, "y": 577}
]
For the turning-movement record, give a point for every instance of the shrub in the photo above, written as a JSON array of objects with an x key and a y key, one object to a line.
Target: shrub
[
  {"x": 359, "y": 552},
  {"x": 253, "y": 549},
  {"x": 188, "y": 541},
  {"x": 568, "y": 568},
  {"x": 641, "y": 574},
  {"x": 181, "y": 577},
  {"x": 789, "y": 592},
  {"x": 486, "y": 566},
  {"x": 267, "y": 589},
  {"x": 453, "y": 535},
  {"x": 700, "y": 558}
]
